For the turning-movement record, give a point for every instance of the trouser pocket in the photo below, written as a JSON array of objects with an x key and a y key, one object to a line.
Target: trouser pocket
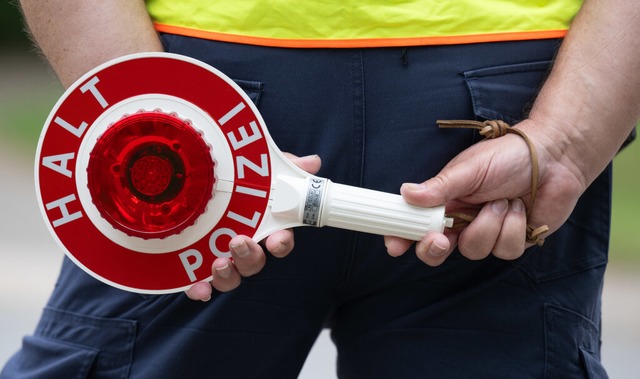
[
  {"x": 44, "y": 358},
  {"x": 71, "y": 345},
  {"x": 505, "y": 92},
  {"x": 572, "y": 345}
]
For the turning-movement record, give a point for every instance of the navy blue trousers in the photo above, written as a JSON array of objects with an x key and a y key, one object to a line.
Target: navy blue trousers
[{"x": 370, "y": 114}]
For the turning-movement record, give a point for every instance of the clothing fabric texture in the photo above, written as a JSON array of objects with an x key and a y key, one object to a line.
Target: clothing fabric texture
[
  {"x": 370, "y": 114},
  {"x": 374, "y": 23}
]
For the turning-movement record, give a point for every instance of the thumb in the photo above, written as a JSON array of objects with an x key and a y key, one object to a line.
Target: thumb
[
  {"x": 453, "y": 182},
  {"x": 309, "y": 163}
]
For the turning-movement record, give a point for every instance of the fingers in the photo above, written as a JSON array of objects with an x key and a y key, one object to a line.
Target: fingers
[
  {"x": 225, "y": 278},
  {"x": 453, "y": 182},
  {"x": 248, "y": 259},
  {"x": 428, "y": 194},
  {"x": 309, "y": 163},
  {"x": 511, "y": 241},
  {"x": 478, "y": 238},
  {"x": 225, "y": 275},
  {"x": 280, "y": 243},
  {"x": 200, "y": 291},
  {"x": 434, "y": 248},
  {"x": 248, "y": 256},
  {"x": 396, "y": 246},
  {"x": 499, "y": 228}
]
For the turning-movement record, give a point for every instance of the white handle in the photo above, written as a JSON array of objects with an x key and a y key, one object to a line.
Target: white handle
[
  {"x": 376, "y": 212},
  {"x": 319, "y": 202}
]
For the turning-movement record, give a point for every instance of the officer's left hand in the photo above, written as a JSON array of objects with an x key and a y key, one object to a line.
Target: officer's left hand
[
  {"x": 494, "y": 176},
  {"x": 249, "y": 256}
]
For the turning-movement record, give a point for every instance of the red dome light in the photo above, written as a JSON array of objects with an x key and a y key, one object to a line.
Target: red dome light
[{"x": 151, "y": 175}]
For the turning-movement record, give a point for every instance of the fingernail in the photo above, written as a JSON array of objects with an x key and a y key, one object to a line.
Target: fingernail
[
  {"x": 205, "y": 300},
  {"x": 499, "y": 206},
  {"x": 517, "y": 205},
  {"x": 436, "y": 250},
  {"x": 413, "y": 187},
  {"x": 311, "y": 156},
  {"x": 224, "y": 271},
  {"x": 240, "y": 250}
]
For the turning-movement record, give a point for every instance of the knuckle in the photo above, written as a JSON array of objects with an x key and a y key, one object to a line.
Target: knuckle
[
  {"x": 510, "y": 251},
  {"x": 249, "y": 267},
  {"x": 474, "y": 245},
  {"x": 507, "y": 255},
  {"x": 247, "y": 270},
  {"x": 473, "y": 251}
]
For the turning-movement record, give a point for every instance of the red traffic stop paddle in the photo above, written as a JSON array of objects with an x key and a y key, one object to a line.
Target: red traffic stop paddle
[{"x": 150, "y": 163}]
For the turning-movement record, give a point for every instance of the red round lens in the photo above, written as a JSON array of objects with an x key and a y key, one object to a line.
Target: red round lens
[{"x": 151, "y": 175}]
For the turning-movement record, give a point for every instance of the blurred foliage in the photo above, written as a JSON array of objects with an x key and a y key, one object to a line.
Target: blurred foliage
[
  {"x": 27, "y": 90},
  {"x": 625, "y": 239},
  {"x": 23, "y": 115}
]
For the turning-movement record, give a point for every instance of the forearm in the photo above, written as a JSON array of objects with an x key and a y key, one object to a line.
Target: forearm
[
  {"x": 592, "y": 98},
  {"x": 78, "y": 35}
]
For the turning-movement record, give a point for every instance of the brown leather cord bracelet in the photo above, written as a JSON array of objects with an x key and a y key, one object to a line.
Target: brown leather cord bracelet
[{"x": 494, "y": 129}]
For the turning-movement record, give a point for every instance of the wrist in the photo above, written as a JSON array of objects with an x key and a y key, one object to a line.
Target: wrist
[{"x": 559, "y": 157}]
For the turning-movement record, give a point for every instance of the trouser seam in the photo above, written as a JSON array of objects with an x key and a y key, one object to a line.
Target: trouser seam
[{"x": 359, "y": 132}]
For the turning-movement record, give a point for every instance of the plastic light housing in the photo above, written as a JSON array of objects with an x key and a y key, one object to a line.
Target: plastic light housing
[{"x": 151, "y": 174}]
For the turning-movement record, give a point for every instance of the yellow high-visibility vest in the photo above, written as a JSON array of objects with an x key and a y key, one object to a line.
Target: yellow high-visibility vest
[{"x": 357, "y": 23}]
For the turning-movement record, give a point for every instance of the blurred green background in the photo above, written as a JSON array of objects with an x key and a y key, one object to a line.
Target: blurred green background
[{"x": 28, "y": 90}]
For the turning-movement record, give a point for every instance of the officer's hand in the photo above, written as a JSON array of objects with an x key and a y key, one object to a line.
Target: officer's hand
[
  {"x": 248, "y": 256},
  {"x": 493, "y": 180}
]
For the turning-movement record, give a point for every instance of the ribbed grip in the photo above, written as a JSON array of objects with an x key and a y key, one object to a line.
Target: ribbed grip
[{"x": 377, "y": 212}]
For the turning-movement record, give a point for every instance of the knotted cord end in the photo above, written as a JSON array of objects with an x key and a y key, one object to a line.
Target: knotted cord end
[
  {"x": 494, "y": 129},
  {"x": 534, "y": 235}
]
